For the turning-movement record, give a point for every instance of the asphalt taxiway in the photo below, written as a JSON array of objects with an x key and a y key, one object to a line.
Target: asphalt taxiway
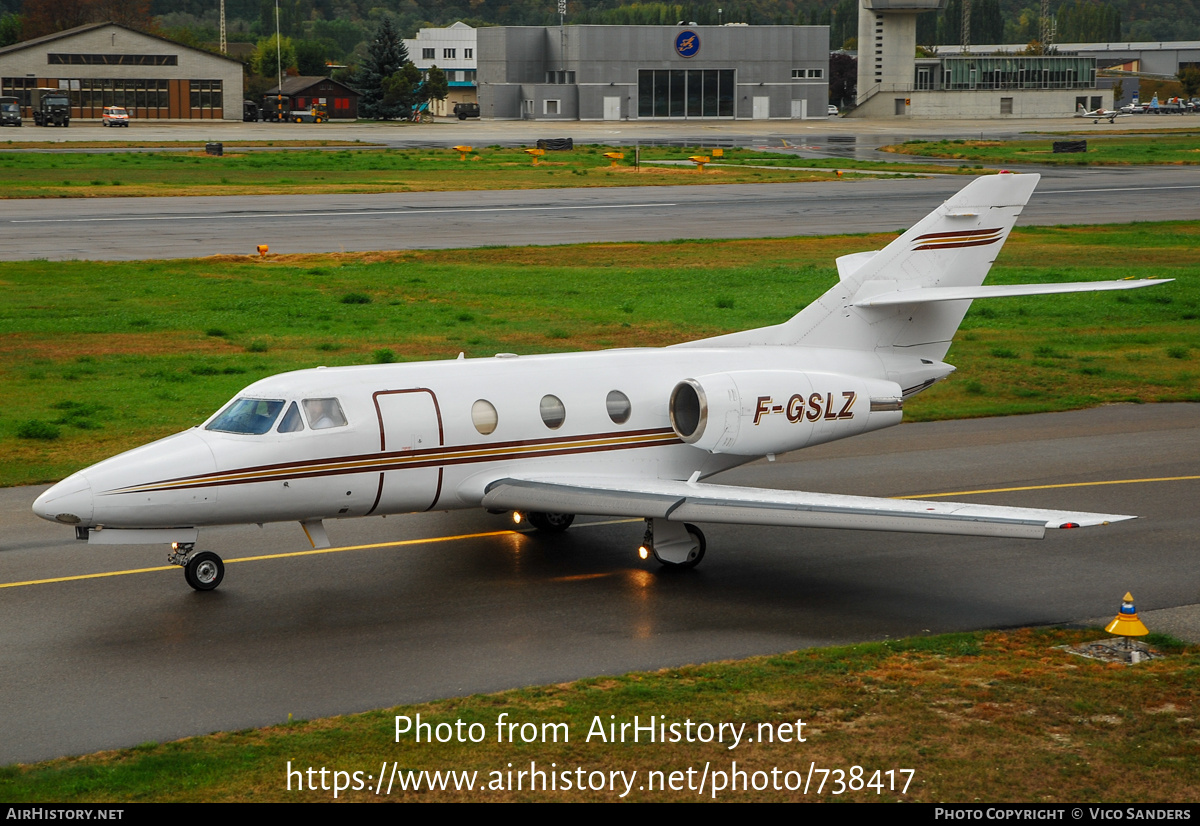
[
  {"x": 142, "y": 228},
  {"x": 99, "y": 654}
]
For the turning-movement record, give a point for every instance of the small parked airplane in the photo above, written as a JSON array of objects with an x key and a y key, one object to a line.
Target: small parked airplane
[
  {"x": 1098, "y": 115},
  {"x": 619, "y": 432}
]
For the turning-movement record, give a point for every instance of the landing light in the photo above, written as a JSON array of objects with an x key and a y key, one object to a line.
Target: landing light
[
  {"x": 643, "y": 553},
  {"x": 517, "y": 517}
]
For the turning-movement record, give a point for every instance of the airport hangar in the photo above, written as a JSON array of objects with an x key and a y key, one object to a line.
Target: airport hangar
[
  {"x": 549, "y": 73},
  {"x": 107, "y": 64}
]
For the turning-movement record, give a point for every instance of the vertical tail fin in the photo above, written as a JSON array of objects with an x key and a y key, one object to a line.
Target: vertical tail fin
[{"x": 953, "y": 246}]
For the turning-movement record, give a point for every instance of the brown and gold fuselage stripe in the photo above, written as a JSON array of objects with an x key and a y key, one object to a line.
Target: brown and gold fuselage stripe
[
  {"x": 958, "y": 238},
  {"x": 424, "y": 458}
]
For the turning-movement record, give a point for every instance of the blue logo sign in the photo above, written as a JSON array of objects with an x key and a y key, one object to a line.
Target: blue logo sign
[{"x": 687, "y": 44}]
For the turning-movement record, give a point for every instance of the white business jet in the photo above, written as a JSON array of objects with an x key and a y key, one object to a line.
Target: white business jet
[{"x": 617, "y": 433}]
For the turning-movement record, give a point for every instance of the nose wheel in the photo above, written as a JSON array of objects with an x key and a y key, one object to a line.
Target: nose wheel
[{"x": 203, "y": 571}]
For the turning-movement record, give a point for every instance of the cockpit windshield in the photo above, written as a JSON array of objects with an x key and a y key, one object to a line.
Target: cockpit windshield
[{"x": 251, "y": 417}]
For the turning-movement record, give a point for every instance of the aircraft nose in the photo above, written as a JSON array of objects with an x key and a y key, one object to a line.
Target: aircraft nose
[{"x": 68, "y": 502}]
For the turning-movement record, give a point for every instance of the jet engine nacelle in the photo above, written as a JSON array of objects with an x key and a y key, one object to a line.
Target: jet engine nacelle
[{"x": 759, "y": 412}]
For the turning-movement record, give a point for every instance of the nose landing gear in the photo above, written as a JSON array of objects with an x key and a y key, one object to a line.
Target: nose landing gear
[{"x": 203, "y": 571}]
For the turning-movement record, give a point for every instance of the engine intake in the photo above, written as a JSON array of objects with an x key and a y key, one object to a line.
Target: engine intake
[{"x": 756, "y": 412}]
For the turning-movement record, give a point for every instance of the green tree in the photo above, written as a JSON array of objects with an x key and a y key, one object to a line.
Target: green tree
[
  {"x": 1190, "y": 78},
  {"x": 267, "y": 59},
  {"x": 386, "y": 56},
  {"x": 436, "y": 87},
  {"x": 10, "y": 29},
  {"x": 402, "y": 90},
  {"x": 310, "y": 58}
]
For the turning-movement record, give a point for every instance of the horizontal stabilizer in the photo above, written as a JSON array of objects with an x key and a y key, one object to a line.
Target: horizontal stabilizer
[
  {"x": 694, "y": 502},
  {"x": 920, "y": 295}
]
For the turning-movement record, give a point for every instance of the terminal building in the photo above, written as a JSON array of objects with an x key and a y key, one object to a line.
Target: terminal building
[
  {"x": 893, "y": 82},
  {"x": 653, "y": 72},
  {"x": 106, "y": 64}
]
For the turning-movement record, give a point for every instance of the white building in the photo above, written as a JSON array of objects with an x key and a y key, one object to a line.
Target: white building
[{"x": 452, "y": 50}]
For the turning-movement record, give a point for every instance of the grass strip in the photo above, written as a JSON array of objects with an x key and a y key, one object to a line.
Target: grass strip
[
  {"x": 98, "y": 357},
  {"x": 93, "y": 175},
  {"x": 1107, "y": 150},
  {"x": 988, "y": 717}
]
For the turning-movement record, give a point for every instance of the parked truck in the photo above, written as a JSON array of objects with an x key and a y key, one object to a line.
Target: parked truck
[
  {"x": 51, "y": 107},
  {"x": 10, "y": 111},
  {"x": 276, "y": 107}
]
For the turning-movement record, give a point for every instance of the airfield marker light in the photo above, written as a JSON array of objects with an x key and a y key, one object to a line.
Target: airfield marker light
[
  {"x": 463, "y": 151},
  {"x": 839, "y": 173},
  {"x": 263, "y": 249},
  {"x": 1126, "y": 622},
  {"x": 700, "y": 161},
  {"x": 535, "y": 153},
  {"x": 613, "y": 157}
]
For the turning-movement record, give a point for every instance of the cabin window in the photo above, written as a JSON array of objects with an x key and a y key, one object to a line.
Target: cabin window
[
  {"x": 618, "y": 406},
  {"x": 483, "y": 415},
  {"x": 251, "y": 417},
  {"x": 324, "y": 413},
  {"x": 553, "y": 412},
  {"x": 291, "y": 420}
]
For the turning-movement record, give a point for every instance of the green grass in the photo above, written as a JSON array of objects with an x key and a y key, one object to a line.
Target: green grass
[
  {"x": 46, "y": 175},
  {"x": 1101, "y": 150},
  {"x": 111, "y": 355},
  {"x": 976, "y": 718}
]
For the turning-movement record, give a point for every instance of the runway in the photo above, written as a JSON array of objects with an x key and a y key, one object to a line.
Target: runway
[
  {"x": 445, "y": 604},
  {"x": 183, "y": 227}
]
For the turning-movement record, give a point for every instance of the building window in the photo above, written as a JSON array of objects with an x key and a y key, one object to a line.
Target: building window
[
  {"x": 206, "y": 95},
  {"x": 427, "y": 54},
  {"x": 468, "y": 54},
  {"x": 560, "y": 77},
  {"x": 1006, "y": 106},
  {"x": 816, "y": 72},
  {"x": 112, "y": 59},
  {"x": 550, "y": 107},
  {"x": 448, "y": 54},
  {"x": 685, "y": 93}
]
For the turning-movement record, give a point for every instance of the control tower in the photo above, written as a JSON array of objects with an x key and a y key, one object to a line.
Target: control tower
[{"x": 887, "y": 44}]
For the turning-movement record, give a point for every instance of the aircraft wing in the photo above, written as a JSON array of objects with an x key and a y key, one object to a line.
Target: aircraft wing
[{"x": 700, "y": 502}]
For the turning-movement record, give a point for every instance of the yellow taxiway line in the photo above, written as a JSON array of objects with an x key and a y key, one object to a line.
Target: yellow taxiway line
[
  {"x": 431, "y": 540},
  {"x": 397, "y": 544}
]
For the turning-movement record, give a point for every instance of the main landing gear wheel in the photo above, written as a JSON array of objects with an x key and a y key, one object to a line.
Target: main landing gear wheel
[
  {"x": 204, "y": 571},
  {"x": 551, "y": 522},
  {"x": 694, "y": 555}
]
